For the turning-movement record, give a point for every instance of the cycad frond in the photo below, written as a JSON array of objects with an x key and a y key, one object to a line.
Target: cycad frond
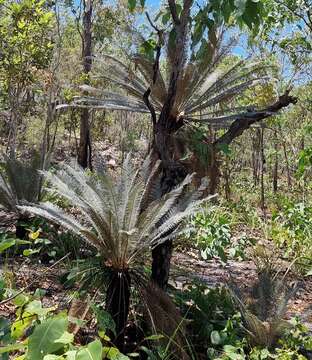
[
  {"x": 113, "y": 213},
  {"x": 263, "y": 318},
  {"x": 20, "y": 181},
  {"x": 204, "y": 85}
]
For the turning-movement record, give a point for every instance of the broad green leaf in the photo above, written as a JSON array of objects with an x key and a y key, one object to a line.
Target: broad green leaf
[
  {"x": 11, "y": 347},
  {"x": 19, "y": 326},
  {"x": 71, "y": 354},
  {"x": 21, "y": 300},
  {"x": 29, "y": 252},
  {"x": 231, "y": 352},
  {"x": 131, "y": 5},
  {"x": 66, "y": 338},
  {"x": 35, "y": 307},
  {"x": 6, "y": 244},
  {"x": 104, "y": 320},
  {"x": 42, "y": 341},
  {"x": 215, "y": 337},
  {"x": 154, "y": 337},
  {"x": 309, "y": 273},
  {"x": 93, "y": 351}
]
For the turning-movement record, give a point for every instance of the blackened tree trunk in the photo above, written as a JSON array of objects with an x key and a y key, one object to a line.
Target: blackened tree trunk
[
  {"x": 275, "y": 168},
  {"x": 169, "y": 122},
  {"x": 84, "y": 150},
  {"x": 173, "y": 173},
  {"x": 118, "y": 302},
  {"x": 262, "y": 164},
  {"x": 20, "y": 230},
  {"x": 227, "y": 179}
]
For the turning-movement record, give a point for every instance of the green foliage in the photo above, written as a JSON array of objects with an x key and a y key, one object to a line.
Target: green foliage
[
  {"x": 305, "y": 161},
  {"x": 292, "y": 229},
  {"x": 25, "y": 41},
  {"x": 280, "y": 15},
  {"x": 7, "y": 242},
  {"x": 104, "y": 320},
  {"x": 37, "y": 334},
  {"x": 208, "y": 311},
  {"x": 44, "y": 339},
  {"x": 212, "y": 234},
  {"x": 132, "y": 4}
]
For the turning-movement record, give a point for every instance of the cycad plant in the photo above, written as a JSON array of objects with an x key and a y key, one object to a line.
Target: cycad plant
[
  {"x": 19, "y": 182},
  {"x": 208, "y": 80},
  {"x": 264, "y": 310},
  {"x": 123, "y": 219},
  {"x": 182, "y": 83}
]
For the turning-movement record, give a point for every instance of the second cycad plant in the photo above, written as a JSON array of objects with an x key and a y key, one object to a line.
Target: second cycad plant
[{"x": 122, "y": 218}]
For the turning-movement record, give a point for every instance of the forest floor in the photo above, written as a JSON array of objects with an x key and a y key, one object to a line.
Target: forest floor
[{"x": 30, "y": 275}]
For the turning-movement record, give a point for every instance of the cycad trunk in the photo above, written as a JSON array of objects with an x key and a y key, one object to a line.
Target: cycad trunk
[
  {"x": 173, "y": 172},
  {"x": 117, "y": 303},
  {"x": 20, "y": 230}
]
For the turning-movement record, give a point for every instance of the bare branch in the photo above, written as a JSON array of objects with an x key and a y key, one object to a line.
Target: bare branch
[
  {"x": 245, "y": 120},
  {"x": 173, "y": 10},
  {"x": 155, "y": 69}
]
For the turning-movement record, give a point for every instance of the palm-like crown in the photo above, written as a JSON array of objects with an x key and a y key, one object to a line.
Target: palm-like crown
[
  {"x": 204, "y": 88},
  {"x": 111, "y": 216}
]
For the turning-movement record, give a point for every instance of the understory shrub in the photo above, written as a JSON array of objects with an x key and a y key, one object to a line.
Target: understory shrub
[
  {"x": 292, "y": 231},
  {"x": 211, "y": 231}
]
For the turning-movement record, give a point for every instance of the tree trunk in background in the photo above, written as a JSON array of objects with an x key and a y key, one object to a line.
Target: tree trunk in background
[
  {"x": 256, "y": 156},
  {"x": 214, "y": 172},
  {"x": 262, "y": 199},
  {"x": 287, "y": 164},
  {"x": 84, "y": 151},
  {"x": 118, "y": 302},
  {"x": 227, "y": 180},
  {"x": 275, "y": 168}
]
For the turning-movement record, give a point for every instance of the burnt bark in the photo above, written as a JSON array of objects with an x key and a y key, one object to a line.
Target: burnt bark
[
  {"x": 169, "y": 122},
  {"x": 118, "y": 302},
  {"x": 262, "y": 164},
  {"x": 275, "y": 168},
  {"x": 20, "y": 229},
  {"x": 161, "y": 264},
  {"x": 84, "y": 150},
  {"x": 173, "y": 173},
  {"x": 245, "y": 120}
]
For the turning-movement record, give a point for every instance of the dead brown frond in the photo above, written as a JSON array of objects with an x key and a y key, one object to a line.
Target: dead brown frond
[{"x": 164, "y": 318}]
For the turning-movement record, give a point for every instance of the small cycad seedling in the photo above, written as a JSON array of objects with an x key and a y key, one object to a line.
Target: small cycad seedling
[{"x": 264, "y": 311}]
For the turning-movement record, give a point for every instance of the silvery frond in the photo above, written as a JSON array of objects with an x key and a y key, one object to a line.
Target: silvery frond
[
  {"x": 118, "y": 103},
  {"x": 113, "y": 215},
  {"x": 205, "y": 84},
  {"x": 20, "y": 181},
  {"x": 7, "y": 198}
]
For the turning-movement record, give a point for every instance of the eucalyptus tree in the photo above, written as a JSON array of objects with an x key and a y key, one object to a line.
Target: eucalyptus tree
[
  {"x": 193, "y": 88},
  {"x": 25, "y": 50},
  {"x": 112, "y": 221}
]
